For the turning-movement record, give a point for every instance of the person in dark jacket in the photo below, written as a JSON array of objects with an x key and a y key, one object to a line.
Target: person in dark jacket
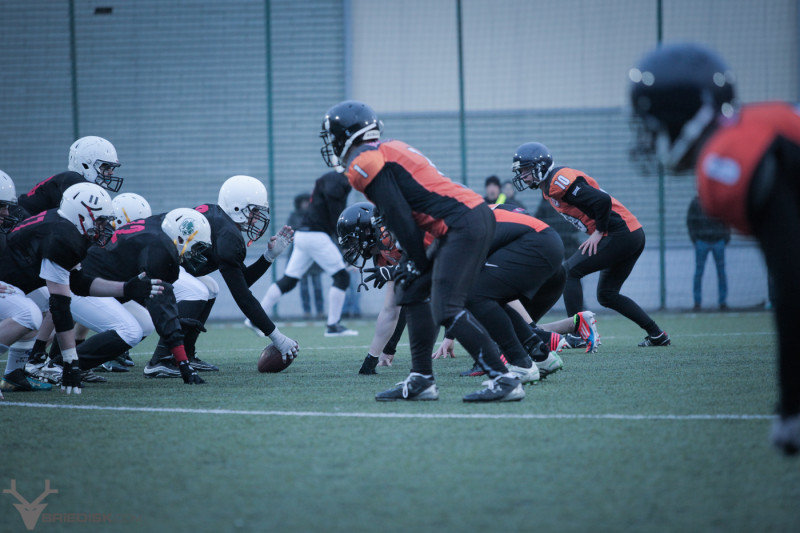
[{"x": 708, "y": 235}]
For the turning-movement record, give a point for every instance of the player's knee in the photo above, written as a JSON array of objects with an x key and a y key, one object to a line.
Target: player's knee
[
  {"x": 606, "y": 297},
  {"x": 28, "y": 315},
  {"x": 212, "y": 285},
  {"x": 131, "y": 332},
  {"x": 286, "y": 283},
  {"x": 341, "y": 280}
]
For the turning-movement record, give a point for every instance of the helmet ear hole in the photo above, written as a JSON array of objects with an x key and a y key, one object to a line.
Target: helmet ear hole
[{"x": 180, "y": 240}]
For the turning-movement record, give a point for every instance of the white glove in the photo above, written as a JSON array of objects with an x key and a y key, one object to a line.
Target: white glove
[
  {"x": 284, "y": 344},
  {"x": 278, "y": 243}
]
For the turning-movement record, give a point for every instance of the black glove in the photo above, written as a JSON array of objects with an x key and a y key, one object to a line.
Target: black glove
[
  {"x": 141, "y": 287},
  {"x": 71, "y": 378},
  {"x": 406, "y": 272},
  {"x": 191, "y": 324},
  {"x": 379, "y": 275},
  {"x": 189, "y": 374}
]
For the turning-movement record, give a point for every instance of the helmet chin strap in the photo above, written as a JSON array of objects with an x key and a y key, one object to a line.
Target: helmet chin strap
[{"x": 671, "y": 156}]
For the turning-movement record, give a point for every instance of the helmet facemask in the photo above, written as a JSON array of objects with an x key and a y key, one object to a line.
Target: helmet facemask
[
  {"x": 105, "y": 175},
  {"x": 191, "y": 254},
  {"x": 8, "y": 221},
  {"x": 256, "y": 222}
]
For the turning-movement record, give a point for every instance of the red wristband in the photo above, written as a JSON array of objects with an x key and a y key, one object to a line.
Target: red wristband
[{"x": 179, "y": 353}]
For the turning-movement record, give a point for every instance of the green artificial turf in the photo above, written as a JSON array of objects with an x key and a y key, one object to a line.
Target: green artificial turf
[{"x": 627, "y": 439}]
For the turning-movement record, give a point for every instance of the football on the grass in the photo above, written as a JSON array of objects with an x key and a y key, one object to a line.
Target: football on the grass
[{"x": 271, "y": 360}]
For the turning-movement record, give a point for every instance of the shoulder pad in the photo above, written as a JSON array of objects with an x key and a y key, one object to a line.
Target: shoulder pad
[
  {"x": 561, "y": 181},
  {"x": 364, "y": 167}
]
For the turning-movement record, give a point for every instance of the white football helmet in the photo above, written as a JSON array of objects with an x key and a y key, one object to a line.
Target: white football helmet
[
  {"x": 244, "y": 199},
  {"x": 191, "y": 234},
  {"x": 89, "y": 208},
  {"x": 95, "y": 159},
  {"x": 8, "y": 198},
  {"x": 129, "y": 206}
]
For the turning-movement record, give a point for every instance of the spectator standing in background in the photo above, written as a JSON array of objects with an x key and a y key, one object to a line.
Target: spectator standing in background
[
  {"x": 492, "y": 190},
  {"x": 708, "y": 235}
]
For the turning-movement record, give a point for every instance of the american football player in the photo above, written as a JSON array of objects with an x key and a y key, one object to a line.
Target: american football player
[
  {"x": 44, "y": 250},
  {"x": 241, "y": 208},
  {"x": 616, "y": 238},
  {"x": 414, "y": 197},
  {"x": 747, "y": 162},
  {"x": 159, "y": 246},
  {"x": 91, "y": 159}
]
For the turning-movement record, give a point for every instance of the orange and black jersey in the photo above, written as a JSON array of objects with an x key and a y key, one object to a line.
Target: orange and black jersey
[
  {"x": 413, "y": 196},
  {"x": 227, "y": 254},
  {"x": 512, "y": 224},
  {"x": 733, "y": 155},
  {"x": 328, "y": 200},
  {"x": 580, "y": 200},
  {"x": 44, "y": 236},
  {"x": 139, "y": 246},
  {"x": 47, "y": 194}
]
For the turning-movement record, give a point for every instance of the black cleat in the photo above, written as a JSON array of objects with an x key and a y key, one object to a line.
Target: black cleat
[
  {"x": 368, "y": 366},
  {"x": 202, "y": 366},
  {"x": 661, "y": 340},
  {"x": 414, "y": 388},
  {"x": 476, "y": 370},
  {"x": 499, "y": 389},
  {"x": 88, "y": 376},
  {"x": 164, "y": 368}
]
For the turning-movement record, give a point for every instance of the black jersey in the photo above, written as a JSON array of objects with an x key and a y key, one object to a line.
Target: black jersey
[
  {"x": 227, "y": 254},
  {"x": 228, "y": 249},
  {"x": 328, "y": 200},
  {"x": 139, "y": 246},
  {"x": 46, "y": 235},
  {"x": 47, "y": 194}
]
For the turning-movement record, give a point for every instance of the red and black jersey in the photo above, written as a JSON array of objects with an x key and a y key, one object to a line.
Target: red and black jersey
[
  {"x": 227, "y": 254},
  {"x": 44, "y": 236},
  {"x": 412, "y": 194},
  {"x": 328, "y": 200},
  {"x": 228, "y": 249},
  {"x": 47, "y": 194},
  {"x": 139, "y": 246},
  {"x": 512, "y": 225},
  {"x": 731, "y": 157},
  {"x": 581, "y": 201}
]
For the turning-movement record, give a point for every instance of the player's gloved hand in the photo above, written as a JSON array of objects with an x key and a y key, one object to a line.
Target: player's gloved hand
[
  {"x": 288, "y": 347},
  {"x": 406, "y": 272},
  {"x": 71, "y": 378},
  {"x": 278, "y": 243},
  {"x": 191, "y": 324},
  {"x": 379, "y": 275},
  {"x": 189, "y": 374},
  {"x": 141, "y": 287}
]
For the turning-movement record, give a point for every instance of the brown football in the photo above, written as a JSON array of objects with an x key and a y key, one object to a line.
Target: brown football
[{"x": 271, "y": 360}]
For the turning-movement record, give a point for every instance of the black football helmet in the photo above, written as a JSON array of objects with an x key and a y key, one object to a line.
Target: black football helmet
[
  {"x": 677, "y": 92},
  {"x": 361, "y": 233},
  {"x": 343, "y": 124},
  {"x": 533, "y": 156}
]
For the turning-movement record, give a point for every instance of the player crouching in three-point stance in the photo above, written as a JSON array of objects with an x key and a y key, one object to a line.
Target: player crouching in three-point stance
[
  {"x": 44, "y": 250},
  {"x": 242, "y": 207},
  {"x": 415, "y": 197},
  {"x": 747, "y": 163}
]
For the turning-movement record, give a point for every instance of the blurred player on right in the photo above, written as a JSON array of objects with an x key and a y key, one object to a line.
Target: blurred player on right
[{"x": 747, "y": 162}]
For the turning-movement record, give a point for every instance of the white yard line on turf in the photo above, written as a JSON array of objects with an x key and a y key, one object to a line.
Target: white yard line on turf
[{"x": 321, "y": 414}]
